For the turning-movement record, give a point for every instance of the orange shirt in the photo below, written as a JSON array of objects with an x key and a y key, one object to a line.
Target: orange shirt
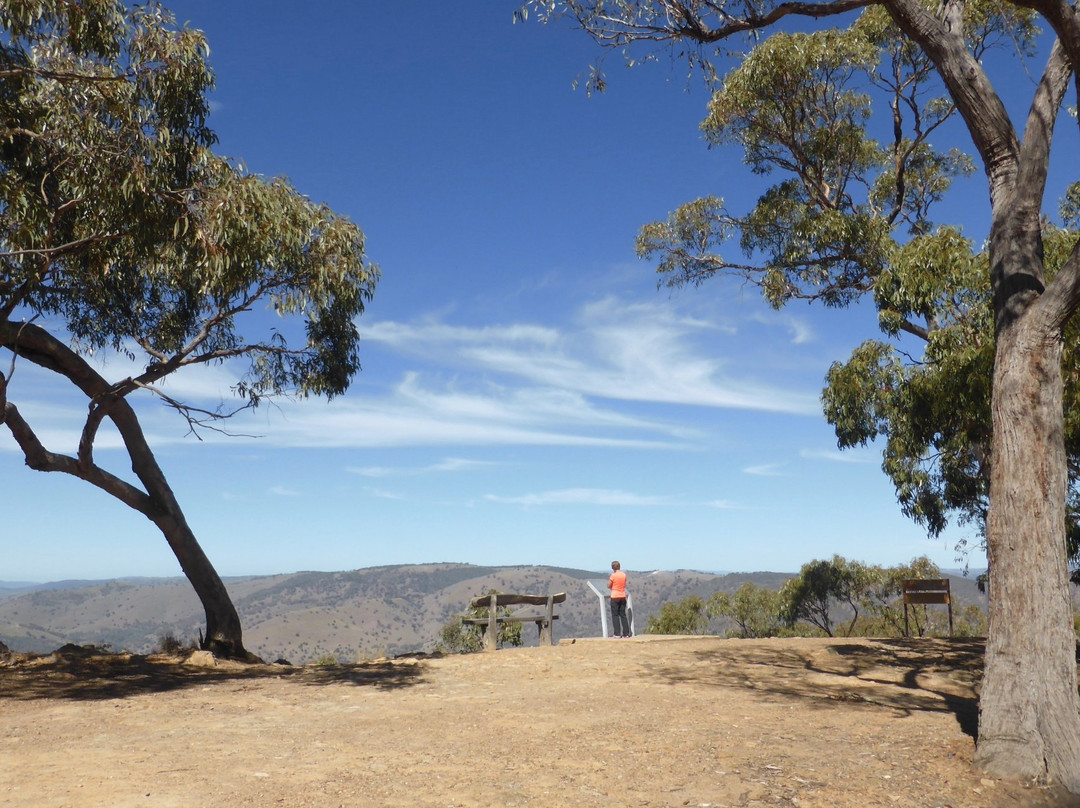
[{"x": 617, "y": 584}]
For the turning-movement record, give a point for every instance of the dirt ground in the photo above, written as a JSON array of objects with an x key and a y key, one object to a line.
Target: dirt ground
[{"x": 641, "y": 722}]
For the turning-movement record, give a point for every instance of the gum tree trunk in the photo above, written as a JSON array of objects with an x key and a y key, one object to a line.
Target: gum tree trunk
[
  {"x": 1029, "y": 710},
  {"x": 224, "y": 636}
]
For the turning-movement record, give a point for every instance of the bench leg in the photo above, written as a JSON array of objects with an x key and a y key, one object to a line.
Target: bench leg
[
  {"x": 545, "y": 624},
  {"x": 491, "y": 633}
]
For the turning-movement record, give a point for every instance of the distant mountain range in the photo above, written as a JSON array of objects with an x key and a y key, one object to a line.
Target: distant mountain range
[{"x": 362, "y": 613}]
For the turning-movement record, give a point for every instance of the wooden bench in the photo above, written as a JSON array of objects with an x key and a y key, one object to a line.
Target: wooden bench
[
  {"x": 927, "y": 590},
  {"x": 494, "y": 620}
]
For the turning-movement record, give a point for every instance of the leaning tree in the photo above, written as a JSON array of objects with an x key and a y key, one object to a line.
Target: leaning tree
[
  {"x": 122, "y": 232},
  {"x": 804, "y": 105}
]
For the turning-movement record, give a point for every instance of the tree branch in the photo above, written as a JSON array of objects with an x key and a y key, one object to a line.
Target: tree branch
[
  {"x": 980, "y": 106},
  {"x": 1064, "y": 18},
  {"x": 52, "y": 252},
  {"x": 190, "y": 414},
  {"x": 680, "y": 22},
  {"x": 41, "y": 459},
  {"x": 1061, "y": 299},
  {"x": 1039, "y": 132},
  {"x": 37, "y": 345},
  {"x": 915, "y": 330}
]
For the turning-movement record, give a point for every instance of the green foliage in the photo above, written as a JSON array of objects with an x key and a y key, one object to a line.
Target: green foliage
[
  {"x": 801, "y": 105},
  {"x": 756, "y": 611},
  {"x": 119, "y": 225},
  {"x": 1070, "y": 206},
  {"x": 688, "y": 616},
  {"x": 821, "y": 584},
  {"x": 873, "y": 596},
  {"x": 970, "y": 622},
  {"x": 458, "y": 638},
  {"x": 934, "y": 414},
  {"x": 869, "y": 598},
  {"x": 850, "y": 216},
  {"x": 687, "y": 244},
  {"x": 883, "y": 599}
]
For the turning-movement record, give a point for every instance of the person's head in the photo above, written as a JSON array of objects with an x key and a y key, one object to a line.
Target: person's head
[{"x": 615, "y": 565}]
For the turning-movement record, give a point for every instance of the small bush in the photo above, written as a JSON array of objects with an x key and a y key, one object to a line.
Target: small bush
[
  {"x": 685, "y": 617},
  {"x": 457, "y": 638},
  {"x": 169, "y": 644}
]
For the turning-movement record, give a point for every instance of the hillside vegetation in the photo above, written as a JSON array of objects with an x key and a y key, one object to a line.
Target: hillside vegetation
[{"x": 359, "y": 614}]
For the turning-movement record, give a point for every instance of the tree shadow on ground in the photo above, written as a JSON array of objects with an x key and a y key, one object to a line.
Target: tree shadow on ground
[
  {"x": 87, "y": 675},
  {"x": 904, "y": 675}
]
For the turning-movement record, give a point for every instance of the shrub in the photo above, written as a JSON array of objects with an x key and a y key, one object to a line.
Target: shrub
[
  {"x": 457, "y": 638},
  {"x": 685, "y": 617},
  {"x": 169, "y": 644},
  {"x": 757, "y": 611}
]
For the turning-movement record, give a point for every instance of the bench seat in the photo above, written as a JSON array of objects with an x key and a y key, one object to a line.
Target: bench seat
[
  {"x": 493, "y": 601},
  {"x": 510, "y": 618}
]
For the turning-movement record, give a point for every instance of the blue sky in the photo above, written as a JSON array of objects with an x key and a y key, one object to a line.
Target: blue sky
[{"x": 528, "y": 396}]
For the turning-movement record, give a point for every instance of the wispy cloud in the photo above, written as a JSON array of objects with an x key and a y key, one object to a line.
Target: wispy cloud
[
  {"x": 724, "y": 505},
  {"x": 380, "y": 493},
  {"x": 800, "y": 330},
  {"x": 591, "y": 382},
  {"x": 580, "y": 496},
  {"x": 447, "y": 465},
  {"x": 766, "y": 470},
  {"x": 414, "y": 414},
  {"x": 614, "y": 350},
  {"x": 282, "y": 491},
  {"x": 202, "y": 384},
  {"x": 419, "y": 410},
  {"x": 837, "y": 456}
]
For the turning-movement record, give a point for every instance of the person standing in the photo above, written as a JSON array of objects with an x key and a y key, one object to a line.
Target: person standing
[{"x": 620, "y": 623}]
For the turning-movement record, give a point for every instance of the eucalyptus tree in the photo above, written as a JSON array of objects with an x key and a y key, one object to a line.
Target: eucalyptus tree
[
  {"x": 821, "y": 585},
  {"x": 122, "y": 233},
  {"x": 932, "y": 411},
  {"x": 688, "y": 616},
  {"x": 806, "y": 105},
  {"x": 755, "y": 610}
]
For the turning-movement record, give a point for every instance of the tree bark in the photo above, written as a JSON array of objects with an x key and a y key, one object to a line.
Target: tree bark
[{"x": 1029, "y": 709}]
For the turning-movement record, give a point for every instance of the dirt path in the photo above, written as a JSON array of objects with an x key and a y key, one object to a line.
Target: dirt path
[{"x": 643, "y": 722}]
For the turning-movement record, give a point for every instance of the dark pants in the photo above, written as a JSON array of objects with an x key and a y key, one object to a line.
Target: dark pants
[{"x": 620, "y": 624}]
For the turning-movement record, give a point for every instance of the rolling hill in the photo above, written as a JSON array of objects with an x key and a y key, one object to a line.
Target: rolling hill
[{"x": 357, "y": 614}]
